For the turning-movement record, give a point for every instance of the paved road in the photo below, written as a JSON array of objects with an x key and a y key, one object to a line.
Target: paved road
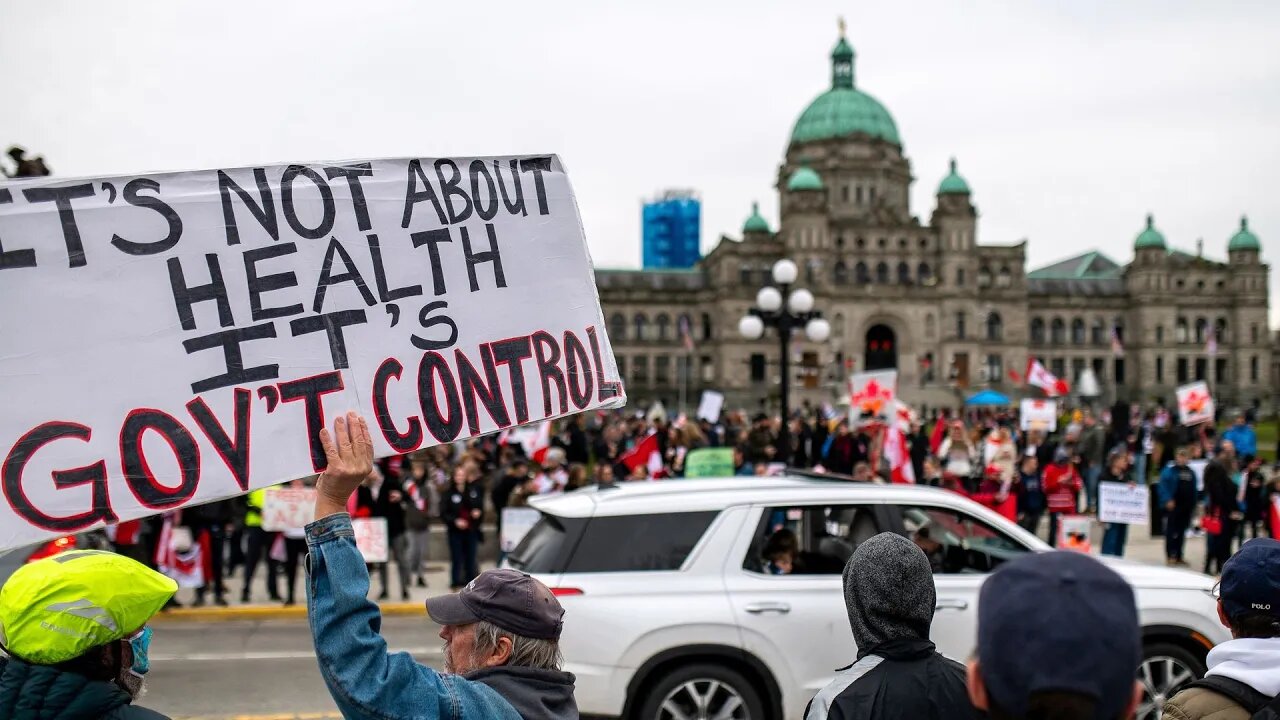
[{"x": 224, "y": 670}]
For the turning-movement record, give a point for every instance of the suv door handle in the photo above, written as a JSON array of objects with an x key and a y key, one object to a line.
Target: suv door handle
[
  {"x": 763, "y": 607},
  {"x": 951, "y": 604}
]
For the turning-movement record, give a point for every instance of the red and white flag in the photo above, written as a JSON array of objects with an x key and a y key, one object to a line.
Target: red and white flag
[
  {"x": 1038, "y": 376},
  {"x": 686, "y": 333},
  {"x": 898, "y": 455},
  {"x": 1117, "y": 345},
  {"x": 1275, "y": 516},
  {"x": 190, "y": 567},
  {"x": 1211, "y": 341},
  {"x": 535, "y": 439},
  {"x": 645, "y": 453}
]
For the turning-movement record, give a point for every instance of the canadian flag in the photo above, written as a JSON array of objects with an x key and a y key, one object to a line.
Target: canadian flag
[
  {"x": 535, "y": 439},
  {"x": 1040, "y": 377},
  {"x": 191, "y": 567},
  {"x": 645, "y": 453},
  {"x": 1275, "y": 516},
  {"x": 899, "y": 457}
]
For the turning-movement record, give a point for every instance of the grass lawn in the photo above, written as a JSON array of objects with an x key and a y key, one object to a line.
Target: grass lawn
[{"x": 1267, "y": 432}]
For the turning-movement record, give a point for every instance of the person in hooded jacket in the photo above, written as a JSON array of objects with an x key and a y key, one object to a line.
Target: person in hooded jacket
[
  {"x": 890, "y": 597},
  {"x": 502, "y": 657},
  {"x": 1243, "y": 677},
  {"x": 85, "y": 665}
]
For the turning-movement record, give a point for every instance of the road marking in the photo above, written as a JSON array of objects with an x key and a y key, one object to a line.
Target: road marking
[{"x": 277, "y": 655}]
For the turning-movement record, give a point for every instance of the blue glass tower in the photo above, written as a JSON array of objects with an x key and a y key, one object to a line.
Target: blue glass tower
[{"x": 672, "y": 230}]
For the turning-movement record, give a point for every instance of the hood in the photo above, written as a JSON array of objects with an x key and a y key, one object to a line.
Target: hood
[
  {"x": 1252, "y": 661},
  {"x": 1150, "y": 577},
  {"x": 888, "y": 591},
  {"x": 39, "y": 692},
  {"x": 535, "y": 694}
]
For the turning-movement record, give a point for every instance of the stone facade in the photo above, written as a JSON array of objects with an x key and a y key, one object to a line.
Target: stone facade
[{"x": 953, "y": 315}]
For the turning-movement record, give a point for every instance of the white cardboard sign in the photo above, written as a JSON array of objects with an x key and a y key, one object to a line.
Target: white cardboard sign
[
  {"x": 710, "y": 405},
  {"x": 175, "y": 338},
  {"x": 1039, "y": 415},
  {"x": 288, "y": 509},
  {"x": 872, "y": 396},
  {"x": 371, "y": 538},
  {"x": 1195, "y": 404},
  {"x": 1123, "y": 503}
]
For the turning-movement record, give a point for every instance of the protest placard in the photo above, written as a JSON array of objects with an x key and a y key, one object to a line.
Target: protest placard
[
  {"x": 1074, "y": 533},
  {"x": 1195, "y": 404},
  {"x": 1124, "y": 503},
  {"x": 516, "y": 523},
  {"x": 1041, "y": 415},
  {"x": 872, "y": 396},
  {"x": 288, "y": 509},
  {"x": 175, "y": 338},
  {"x": 710, "y": 405},
  {"x": 709, "y": 462},
  {"x": 371, "y": 538}
]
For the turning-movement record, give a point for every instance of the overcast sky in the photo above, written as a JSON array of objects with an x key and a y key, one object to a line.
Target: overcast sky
[{"x": 1070, "y": 120}]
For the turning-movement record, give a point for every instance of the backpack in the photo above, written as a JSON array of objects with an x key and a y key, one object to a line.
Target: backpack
[{"x": 1261, "y": 706}]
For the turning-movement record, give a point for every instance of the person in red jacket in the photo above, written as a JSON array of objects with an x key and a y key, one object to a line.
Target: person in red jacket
[{"x": 1061, "y": 487}]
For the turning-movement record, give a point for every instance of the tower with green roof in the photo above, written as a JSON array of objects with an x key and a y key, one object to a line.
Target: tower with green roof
[{"x": 1244, "y": 247}]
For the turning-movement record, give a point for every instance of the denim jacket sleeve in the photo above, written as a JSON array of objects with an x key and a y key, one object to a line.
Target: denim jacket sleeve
[{"x": 364, "y": 679}]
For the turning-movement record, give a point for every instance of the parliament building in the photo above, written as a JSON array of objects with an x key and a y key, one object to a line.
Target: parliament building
[{"x": 953, "y": 315}]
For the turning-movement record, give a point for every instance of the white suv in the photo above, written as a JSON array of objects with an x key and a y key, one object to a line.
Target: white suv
[{"x": 671, "y": 612}]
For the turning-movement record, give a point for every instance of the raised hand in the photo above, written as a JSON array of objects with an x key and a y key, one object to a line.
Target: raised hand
[{"x": 349, "y": 451}]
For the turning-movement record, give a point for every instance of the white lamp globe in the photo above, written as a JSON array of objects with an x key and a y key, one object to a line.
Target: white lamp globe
[
  {"x": 818, "y": 330},
  {"x": 769, "y": 299},
  {"x": 751, "y": 327},
  {"x": 785, "y": 272},
  {"x": 801, "y": 301}
]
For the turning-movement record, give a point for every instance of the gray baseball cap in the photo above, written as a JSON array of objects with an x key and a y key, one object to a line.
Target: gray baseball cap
[{"x": 509, "y": 599}]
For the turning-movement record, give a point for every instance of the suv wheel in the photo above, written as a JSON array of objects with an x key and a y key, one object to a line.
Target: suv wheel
[
  {"x": 703, "y": 692},
  {"x": 1165, "y": 670}
]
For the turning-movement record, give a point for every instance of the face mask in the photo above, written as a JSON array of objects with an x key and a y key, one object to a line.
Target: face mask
[{"x": 140, "y": 643}]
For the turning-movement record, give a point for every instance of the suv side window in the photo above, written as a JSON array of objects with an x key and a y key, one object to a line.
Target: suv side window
[
  {"x": 623, "y": 543},
  {"x": 809, "y": 539},
  {"x": 955, "y": 542}
]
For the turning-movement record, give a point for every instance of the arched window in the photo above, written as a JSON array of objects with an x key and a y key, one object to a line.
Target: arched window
[
  {"x": 1077, "y": 332},
  {"x": 882, "y": 273},
  {"x": 663, "y": 326},
  {"x": 1037, "y": 330},
  {"x": 706, "y": 326},
  {"x": 1098, "y": 332},
  {"x": 904, "y": 273},
  {"x": 959, "y": 277},
  {"x": 995, "y": 327},
  {"x": 837, "y": 325},
  {"x": 1202, "y": 327},
  {"x": 1180, "y": 330},
  {"x": 984, "y": 276},
  {"x": 1220, "y": 329},
  {"x": 840, "y": 273},
  {"x": 617, "y": 327},
  {"x": 923, "y": 274},
  {"x": 811, "y": 272},
  {"x": 1159, "y": 334},
  {"x": 744, "y": 273},
  {"x": 1004, "y": 278},
  {"x": 1057, "y": 331},
  {"x": 642, "y": 327},
  {"x": 861, "y": 273}
]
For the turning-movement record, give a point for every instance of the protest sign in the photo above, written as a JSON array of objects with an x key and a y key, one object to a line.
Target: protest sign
[
  {"x": 710, "y": 405},
  {"x": 288, "y": 509},
  {"x": 516, "y": 523},
  {"x": 371, "y": 538},
  {"x": 175, "y": 338},
  {"x": 872, "y": 396},
  {"x": 709, "y": 462},
  {"x": 1195, "y": 404},
  {"x": 1123, "y": 503},
  {"x": 1073, "y": 533},
  {"x": 1041, "y": 415}
]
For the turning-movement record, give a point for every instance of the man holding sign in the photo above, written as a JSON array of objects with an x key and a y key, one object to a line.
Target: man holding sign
[{"x": 501, "y": 632}]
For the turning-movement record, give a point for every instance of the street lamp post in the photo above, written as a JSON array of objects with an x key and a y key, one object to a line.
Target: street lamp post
[{"x": 784, "y": 310}]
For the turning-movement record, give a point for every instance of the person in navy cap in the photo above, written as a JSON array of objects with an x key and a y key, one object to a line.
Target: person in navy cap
[
  {"x": 1243, "y": 680},
  {"x": 1058, "y": 637}
]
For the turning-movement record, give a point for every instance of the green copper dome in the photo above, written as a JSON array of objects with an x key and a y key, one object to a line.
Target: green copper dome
[
  {"x": 844, "y": 110},
  {"x": 1150, "y": 237},
  {"x": 756, "y": 223},
  {"x": 1244, "y": 240},
  {"x": 804, "y": 179},
  {"x": 953, "y": 184}
]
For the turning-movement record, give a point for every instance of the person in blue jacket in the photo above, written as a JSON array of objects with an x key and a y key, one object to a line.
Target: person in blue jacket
[
  {"x": 502, "y": 656},
  {"x": 1177, "y": 490},
  {"x": 1243, "y": 437}
]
